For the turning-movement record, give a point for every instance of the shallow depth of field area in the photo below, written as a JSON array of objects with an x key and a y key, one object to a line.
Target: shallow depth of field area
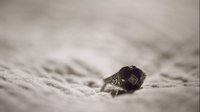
[{"x": 54, "y": 54}]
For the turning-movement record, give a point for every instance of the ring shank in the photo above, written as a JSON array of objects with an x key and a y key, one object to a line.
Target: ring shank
[{"x": 103, "y": 87}]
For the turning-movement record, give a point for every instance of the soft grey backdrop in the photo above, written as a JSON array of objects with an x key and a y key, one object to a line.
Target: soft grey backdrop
[{"x": 55, "y": 53}]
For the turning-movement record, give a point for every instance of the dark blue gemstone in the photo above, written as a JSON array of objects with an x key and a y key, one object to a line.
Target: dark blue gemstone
[
  {"x": 126, "y": 72},
  {"x": 136, "y": 72},
  {"x": 129, "y": 87}
]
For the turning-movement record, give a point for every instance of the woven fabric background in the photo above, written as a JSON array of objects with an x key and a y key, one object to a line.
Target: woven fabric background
[{"x": 55, "y": 53}]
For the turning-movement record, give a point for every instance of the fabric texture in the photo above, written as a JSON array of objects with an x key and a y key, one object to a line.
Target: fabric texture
[{"x": 54, "y": 54}]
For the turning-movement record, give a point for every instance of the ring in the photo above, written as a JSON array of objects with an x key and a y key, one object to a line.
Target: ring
[{"x": 129, "y": 78}]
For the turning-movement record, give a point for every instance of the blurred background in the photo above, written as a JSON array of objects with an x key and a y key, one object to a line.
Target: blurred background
[
  {"x": 126, "y": 32},
  {"x": 88, "y": 40}
]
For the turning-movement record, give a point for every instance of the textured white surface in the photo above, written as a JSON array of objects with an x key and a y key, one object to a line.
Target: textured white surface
[{"x": 55, "y": 53}]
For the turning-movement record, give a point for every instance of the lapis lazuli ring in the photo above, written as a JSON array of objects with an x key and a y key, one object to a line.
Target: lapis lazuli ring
[{"x": 129, "y": 78}]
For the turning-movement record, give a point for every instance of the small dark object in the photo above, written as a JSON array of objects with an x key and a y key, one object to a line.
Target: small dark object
[
  {"x": 129, "y": 78},
  {"x": 120, "y": 92}
]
